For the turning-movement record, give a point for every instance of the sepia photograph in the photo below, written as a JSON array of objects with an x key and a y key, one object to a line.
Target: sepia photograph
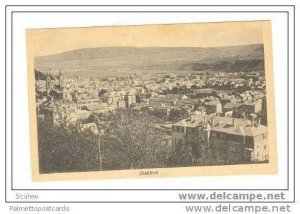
[{"x": 161, "y": 100}]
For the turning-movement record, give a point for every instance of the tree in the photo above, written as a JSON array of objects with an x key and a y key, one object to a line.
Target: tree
[
  {"x": 66, "y": 149},
  {"x": 194, "y": 87},
  {"x": 175, "y": 90},
  {"x": 131, "y": 141},
  {"x": 177, "y": 114},
  {"x": 102, "y": 92},
  {"x": 182, "y": 155}
]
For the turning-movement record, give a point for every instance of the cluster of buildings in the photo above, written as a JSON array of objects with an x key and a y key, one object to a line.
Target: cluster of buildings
[
  {"x": 221, "y": 140},
  {"x": 224, "y": 124}
]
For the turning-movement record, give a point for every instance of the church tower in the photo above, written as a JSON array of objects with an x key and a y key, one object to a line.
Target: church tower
[
  {"x": 60, "y": 77},
  {"x": 48, "y": 81},
  {"x": 130, "y": 79}
]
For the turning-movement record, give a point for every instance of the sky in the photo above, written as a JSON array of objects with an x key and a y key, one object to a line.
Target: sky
[{"x": 41, "y": 42}]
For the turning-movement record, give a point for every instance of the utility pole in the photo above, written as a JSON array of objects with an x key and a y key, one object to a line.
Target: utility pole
[
  {"x": 99, "y": 147},
  {"x": 244, "y": 134}
]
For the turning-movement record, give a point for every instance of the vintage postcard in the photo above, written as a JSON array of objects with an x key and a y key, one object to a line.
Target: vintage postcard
[{"x": 151, "y": 101}]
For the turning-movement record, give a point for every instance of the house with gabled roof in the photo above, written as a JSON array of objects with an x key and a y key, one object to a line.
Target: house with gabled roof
[{"x": 223, "y": 140}]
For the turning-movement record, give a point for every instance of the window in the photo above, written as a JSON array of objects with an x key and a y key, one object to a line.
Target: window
[
  {"x": 174, "y": 143},
  {"x": 191, "y": 130},
  {"x": 264, "y": 135},
  {"x": 232, "y": 148},
  {"x": 222, "y": 135}
]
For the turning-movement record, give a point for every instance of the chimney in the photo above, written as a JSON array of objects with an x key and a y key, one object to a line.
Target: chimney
[{"x": 233, "y": 121}]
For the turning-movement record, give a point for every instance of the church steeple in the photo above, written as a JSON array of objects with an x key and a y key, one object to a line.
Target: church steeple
[
  {"x": 130, "y": 79},
  {"x": 59, "y": 76},
  {"x": 48, "y": 80}
]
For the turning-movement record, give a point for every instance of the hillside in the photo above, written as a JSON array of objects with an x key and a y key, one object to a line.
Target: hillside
[{"x": 103, "y": 61}]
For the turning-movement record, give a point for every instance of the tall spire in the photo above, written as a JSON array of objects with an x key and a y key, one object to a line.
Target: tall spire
[
  {"x": 47, "y": 81},
  {"x": 59, "y": 70},
  {"x": 47, "y": 71},
  {"x": 59, "y": 76}
]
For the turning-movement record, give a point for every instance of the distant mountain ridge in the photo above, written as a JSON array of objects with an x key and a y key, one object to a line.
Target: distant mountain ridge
[{"x": 109, "y": 60}]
